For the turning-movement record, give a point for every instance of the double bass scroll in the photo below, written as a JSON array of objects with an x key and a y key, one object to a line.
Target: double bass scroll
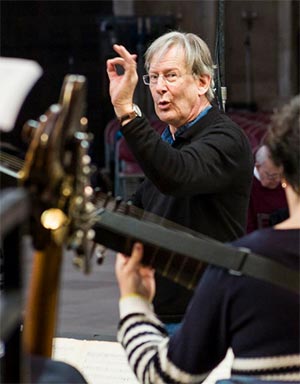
[{"x": 56, "y": 173}]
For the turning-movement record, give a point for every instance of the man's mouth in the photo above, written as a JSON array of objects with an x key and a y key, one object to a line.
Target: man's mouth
[{"x": 163, "y": 104}]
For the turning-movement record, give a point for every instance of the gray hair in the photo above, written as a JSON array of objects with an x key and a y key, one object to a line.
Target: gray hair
[
  {"x": 262, "y": 154},
  {"x": 197, "y": 54}
]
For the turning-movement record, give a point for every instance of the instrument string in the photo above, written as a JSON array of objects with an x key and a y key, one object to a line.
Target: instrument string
[{"x": 11, "y": 161}]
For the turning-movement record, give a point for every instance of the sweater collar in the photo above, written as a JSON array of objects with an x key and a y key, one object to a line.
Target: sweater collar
[{"x": 167, "y": 136}]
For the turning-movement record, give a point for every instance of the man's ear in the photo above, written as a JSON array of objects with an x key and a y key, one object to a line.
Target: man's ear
[{"x": 203, "y": 84}]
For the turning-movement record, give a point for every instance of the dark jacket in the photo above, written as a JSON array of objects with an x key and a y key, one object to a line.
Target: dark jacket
[{"x": 201, "y": 181}]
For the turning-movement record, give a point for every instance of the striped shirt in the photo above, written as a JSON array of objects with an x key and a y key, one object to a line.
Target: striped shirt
[{"x": 258, "y": 320}]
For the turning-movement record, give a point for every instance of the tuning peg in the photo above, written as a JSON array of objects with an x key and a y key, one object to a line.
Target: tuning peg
[
  {"x": 88, "y": 191},
  {"x": 128, "y": 206},
  {"x": 99, "y": 252},
  {"x": 107, "y": 199},
  {"x": 118, "y": 201},
  {"x": 91, "y": 234},
  {"x": 86, "y": 159},
  {"x": 78, "y": 261},
  {"x": 28, "y": 130},
  {"x": 83, "y": 123}
]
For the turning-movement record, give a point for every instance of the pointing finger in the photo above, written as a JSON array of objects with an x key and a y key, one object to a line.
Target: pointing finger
[{"x": 122, "y": 51}]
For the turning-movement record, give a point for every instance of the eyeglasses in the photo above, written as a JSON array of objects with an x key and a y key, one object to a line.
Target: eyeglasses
[
  {"x": 169, "y": 78},
  {"x": 272, "y": 176}
]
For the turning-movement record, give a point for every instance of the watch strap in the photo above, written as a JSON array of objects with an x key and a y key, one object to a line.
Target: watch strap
[
  {"x": 136, "y": 112},
  {"x": 129, "y": 115}
]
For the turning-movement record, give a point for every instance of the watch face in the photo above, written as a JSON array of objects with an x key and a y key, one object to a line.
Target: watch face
[{"x": 137, "y": 110}]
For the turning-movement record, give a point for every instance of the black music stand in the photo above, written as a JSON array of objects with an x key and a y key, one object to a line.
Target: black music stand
[{"x": 14, "y": 211}]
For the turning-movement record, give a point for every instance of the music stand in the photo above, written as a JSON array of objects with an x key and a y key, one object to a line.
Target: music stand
[{"x": 14, "y": 211}]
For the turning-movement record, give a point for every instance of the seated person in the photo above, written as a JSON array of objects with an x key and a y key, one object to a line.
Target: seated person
[
  {"x": 267, "y": 205},
  {"x": 44, "y": 370},
  {"x": 257, "y": 319}
]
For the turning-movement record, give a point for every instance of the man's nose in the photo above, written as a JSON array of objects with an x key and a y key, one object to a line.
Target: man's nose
[{"x": 161, "y": 83}]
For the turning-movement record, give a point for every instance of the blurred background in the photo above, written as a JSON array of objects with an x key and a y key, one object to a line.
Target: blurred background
[{"x": 255, "y": 44}]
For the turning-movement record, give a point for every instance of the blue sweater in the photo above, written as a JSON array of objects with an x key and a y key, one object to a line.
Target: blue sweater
[{"x": 258, "y": 320}]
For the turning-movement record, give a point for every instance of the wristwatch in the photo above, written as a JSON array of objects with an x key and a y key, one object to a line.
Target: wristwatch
[{"x": 131, "y": 115}]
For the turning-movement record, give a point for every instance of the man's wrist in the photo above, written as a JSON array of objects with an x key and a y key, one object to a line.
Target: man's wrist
[
  {"x": 123, "y": 110},
  {"x": 125, "y": 117}
]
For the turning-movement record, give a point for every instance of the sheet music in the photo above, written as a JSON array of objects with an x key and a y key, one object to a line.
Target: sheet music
[
  {"x": 105, "y": 362},
  {"x": 98, "y": 361},
  {"x": 17, "y": 77}
]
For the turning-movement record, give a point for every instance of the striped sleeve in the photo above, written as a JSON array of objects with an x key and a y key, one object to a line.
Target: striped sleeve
[{"x": 146, "y": 342}]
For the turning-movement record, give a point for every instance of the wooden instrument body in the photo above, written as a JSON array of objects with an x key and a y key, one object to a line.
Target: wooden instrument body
[{"x": 52, "y": 173}]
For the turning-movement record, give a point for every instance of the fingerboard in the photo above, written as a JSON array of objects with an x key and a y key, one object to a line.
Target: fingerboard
[
  {"x": 119, "y": 234},
  {"x": 179, "y": 267},
  {"x": 116, "y": 204}
]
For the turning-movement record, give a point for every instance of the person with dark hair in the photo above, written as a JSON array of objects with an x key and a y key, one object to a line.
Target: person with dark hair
[
  {"x": 257, "y": 319},
  {"x": 199, "y": 171},
  {"x": 268, "y": 205}
]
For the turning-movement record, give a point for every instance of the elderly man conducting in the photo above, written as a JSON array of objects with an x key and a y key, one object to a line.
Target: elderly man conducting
[{"x": 199, "y": 171}]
